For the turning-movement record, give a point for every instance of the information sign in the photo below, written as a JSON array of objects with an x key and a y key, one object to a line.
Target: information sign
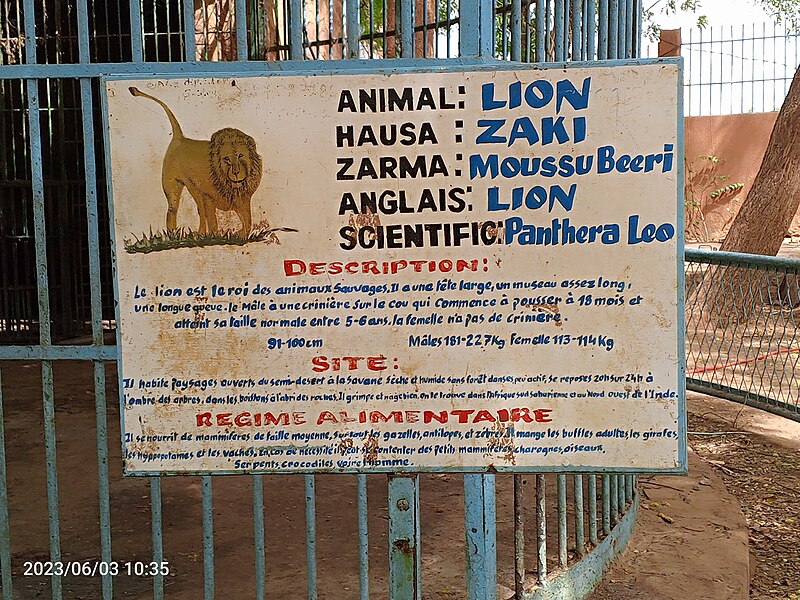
[{"x": 470, "y": 270}]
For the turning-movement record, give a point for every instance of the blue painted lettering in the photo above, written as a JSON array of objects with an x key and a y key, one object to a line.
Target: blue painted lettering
[{"x": 649, "y": 233}]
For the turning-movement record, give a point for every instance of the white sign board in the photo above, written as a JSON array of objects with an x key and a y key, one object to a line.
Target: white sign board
[{"x": 393, "y": 272}]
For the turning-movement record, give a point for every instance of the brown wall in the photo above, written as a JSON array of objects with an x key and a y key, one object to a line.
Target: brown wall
[{"x": 739, "y": 142}]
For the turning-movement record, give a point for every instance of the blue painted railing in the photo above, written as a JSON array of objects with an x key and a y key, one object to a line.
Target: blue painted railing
[{"x": 592, "y": 517}]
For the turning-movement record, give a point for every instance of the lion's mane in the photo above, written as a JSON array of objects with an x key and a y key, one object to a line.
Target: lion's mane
[{"x": 218, "y": 171}]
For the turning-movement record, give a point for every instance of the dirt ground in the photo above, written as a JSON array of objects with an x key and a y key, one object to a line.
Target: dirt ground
[
  {"x": 690, "y": 542},
  {"x": 760, "y": 475},
  {"x": 744, "y": 481},
  {"x": 761, "y": 467}
]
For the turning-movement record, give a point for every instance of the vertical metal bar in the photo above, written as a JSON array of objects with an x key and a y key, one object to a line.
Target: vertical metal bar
[
  {"x": 404, "y": 538},
  {"x": 516, "y": 30},
  {"x": 93, "y": 223},
  {"x": 153, "y": 35},
  {"x": 602, "y": 31},
  {"x": 613, "y": 499},
  {"x": 621, "y": 494},
  {"x": 296, "y": 25},
  {"x": 629, "y": 28},
  {"x": 638, "y": 40},
  {"x": 519, "y": 537},
  {"x": 559, "y": 29},
  {"x": 700, "y": 89},
  {"x": 606, "y": 496},
  {"x": 103, "y": 488},
  {"x": 82, "y": 14},
  {"x": 5, "y": 528},
  {"x": 548, "y": 15},
  {"x": 480, "y": 524},
  {"x": 449, "y": 27},
  {"x": 52, "y": 472},
  {"x": 584, "y": 28},
  {"x": 258, "y": 536},
  {"x": 688, "y": 69},
  {"x": 311, "y": 535},
  {"x": 316, "y": 31},
  {"x": 541, "y": 530},
  {"x": 93, "y": 239},
  {"x": 189, "y": 34},
  {"x": 591, "y": 18},
  {"x": 92, "y": 214},
  {"x": 795, "y": 37},
  {"x": 591, "y": 491},
  {"x": 476, "y": 37},
  {"x": 577, "y": 18},
  {"x": 37, "y": 178},
  {"x": 711, "y": 62},
  {"x": 580, "y": 541},
  {"x": 733, "y": 70},
  {"x": 240, "y": 14},
  {"x": 753, "y": 71},
  {"x": 169, "y": 32},
  {"x": 437, "y": 28},
  {"x": 137, "y": 47},
  {"x": 763, "y": 68},
  {"x": 629, "y": 479},
  {"x": 353, "y": 28},
  {"x": 406, "y": 37},
  {"x": 371, "y": 30},
  {"x": 208, "y": 538},
  {"x": 385, "y": 29},
  {"x": 561, "y": 487},
  {"x": 502, "y": 28},
  {"x": 613, "y": 29},
  {"x": 527, "y": 56},
  {"x": 332, "y": 21},
  {"x": 156, "y": 533},
  {"x": 363, "y": 540},
  {"x": 541, "y": 30}
]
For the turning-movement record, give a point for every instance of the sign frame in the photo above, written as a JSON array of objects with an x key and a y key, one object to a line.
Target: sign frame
[{"x": 418, "y": 66}]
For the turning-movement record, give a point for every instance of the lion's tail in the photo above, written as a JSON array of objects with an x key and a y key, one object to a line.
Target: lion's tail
[{"x": 177, "y": 133}]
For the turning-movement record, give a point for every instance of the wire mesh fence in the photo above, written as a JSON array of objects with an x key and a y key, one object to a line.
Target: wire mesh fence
[
  {"x": 743, "y": 315},
  {"x": 735, "y": 69}
]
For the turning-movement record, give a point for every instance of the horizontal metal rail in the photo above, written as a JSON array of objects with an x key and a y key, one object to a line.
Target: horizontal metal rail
[{"x": 743, "y": 328}]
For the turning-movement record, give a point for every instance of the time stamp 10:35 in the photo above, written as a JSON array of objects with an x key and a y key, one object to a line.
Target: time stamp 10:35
[{"x": 41, "y": 568}]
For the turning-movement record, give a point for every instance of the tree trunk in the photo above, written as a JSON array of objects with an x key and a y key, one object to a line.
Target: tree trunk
[
  {"x": 772, "y": 202},
  {"x": 728, "y": 295}
]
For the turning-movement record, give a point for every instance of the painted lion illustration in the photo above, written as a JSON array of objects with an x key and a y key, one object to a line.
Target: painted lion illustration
[{"x": 222, "y": 173}]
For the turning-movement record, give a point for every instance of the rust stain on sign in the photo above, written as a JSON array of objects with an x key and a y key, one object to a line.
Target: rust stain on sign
[
  {"x": 365, "y": 219},
  {"x": 503, "y": 439},
  {"x": 199, "y": 314},
  {"x": 547, "y": 307},
  {"x": 371, "y": 450},
  {"x": 345, "y": 445}
]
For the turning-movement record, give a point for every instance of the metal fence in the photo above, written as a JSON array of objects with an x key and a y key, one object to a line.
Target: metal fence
[
  {"x": 738, "y": 69},
  {"x": 62, "y": 497},
  {"x": 743, "y": 315}
]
